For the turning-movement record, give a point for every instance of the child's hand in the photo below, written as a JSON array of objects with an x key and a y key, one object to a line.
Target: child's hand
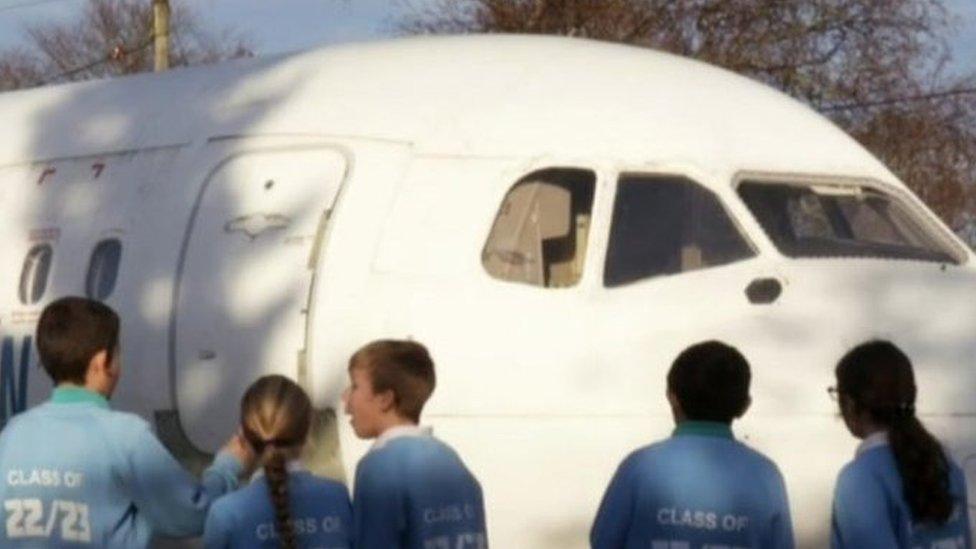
[{"x": 238, "y": 447}]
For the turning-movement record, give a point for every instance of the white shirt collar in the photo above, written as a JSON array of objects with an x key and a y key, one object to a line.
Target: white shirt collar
[
  {"x": 872, "y": 441},
  {"x": 293, "y": 466},
  {"x": 398, "y": 432}
]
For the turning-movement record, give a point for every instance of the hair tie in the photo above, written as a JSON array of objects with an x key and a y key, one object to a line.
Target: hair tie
[
  {"x": 282, "y": 442},
  {"x": 261, "y": 444}
]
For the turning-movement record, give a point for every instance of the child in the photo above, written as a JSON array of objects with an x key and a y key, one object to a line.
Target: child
[
  {"x": 901, "y": 490},
  {"x": 701, "y": 487},
  {"x": 74, "y": 471},
  {"x": 412, "y": 491},
  {"x": 287, "y": 506}
]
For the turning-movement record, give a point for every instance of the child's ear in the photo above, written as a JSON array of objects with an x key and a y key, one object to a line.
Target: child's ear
[
  {"x": 387, "y": 400},
  {"x": 676, "y": 411},
  {"x": 673, "y": 400},
  {"x": 847, "y": 405},
  {"x": 99, "y": 363},
  {"x": 745, "y": 407}
]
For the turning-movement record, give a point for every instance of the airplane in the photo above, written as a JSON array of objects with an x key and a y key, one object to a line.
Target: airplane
[{"x": 555, "y": 218}]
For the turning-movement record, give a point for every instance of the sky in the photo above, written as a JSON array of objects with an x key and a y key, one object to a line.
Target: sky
[{"x": 275, "y": 26}]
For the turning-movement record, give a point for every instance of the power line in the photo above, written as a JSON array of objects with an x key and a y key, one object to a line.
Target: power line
[
  {"x": 111, "y": 56},
  {"x": 896, "y": 100},
  {"x": 31, "y": 4}
]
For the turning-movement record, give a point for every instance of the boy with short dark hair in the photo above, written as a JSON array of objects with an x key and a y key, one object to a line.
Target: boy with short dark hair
[
  {"x": 412, "y": 491},
  {"x": 701, "y": 487},
  {"x": 72, "y": 471}
]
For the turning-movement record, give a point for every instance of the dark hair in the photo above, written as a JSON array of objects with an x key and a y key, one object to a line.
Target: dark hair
[
  {"x": 877, "y": 377},
  {"x": 276, "y": 415},
  {"x": 404, "y": 367},
  {"x": 711, "y": 382},
  {"x": 70, "y": 332}
]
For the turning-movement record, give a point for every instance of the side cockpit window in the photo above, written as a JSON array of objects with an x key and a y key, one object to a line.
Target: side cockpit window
[
  {"x": 34, "y": 274},
  {"x": 103, "y": 269},
  {"x": 540, "y": 232},
  {"x": 663, "y": 225},
  {"x": 840, "y": 221}
]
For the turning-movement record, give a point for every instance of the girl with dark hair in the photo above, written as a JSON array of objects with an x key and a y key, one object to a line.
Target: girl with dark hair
[
  {"x": 901, "y": 490},
  {"x": 285, "y": 506}
]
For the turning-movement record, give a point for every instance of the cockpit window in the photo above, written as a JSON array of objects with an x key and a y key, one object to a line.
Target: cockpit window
[
  {"x": 540, "y": 232},
  {"x": 665, "y": 224},
  {"x": 34, "y": 274},
  {"x": 103, "y": 269},
  {"x": 840, "y": 221}
]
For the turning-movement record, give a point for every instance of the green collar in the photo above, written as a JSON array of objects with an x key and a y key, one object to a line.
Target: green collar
[
  {"x": 704, "y": 428},
  {"x": 69, "y": 394}
]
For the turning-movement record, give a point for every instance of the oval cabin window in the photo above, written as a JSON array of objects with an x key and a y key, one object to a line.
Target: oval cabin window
[
  {"x": 34, "y": 275},
  {"x": 103, "y": 269}
]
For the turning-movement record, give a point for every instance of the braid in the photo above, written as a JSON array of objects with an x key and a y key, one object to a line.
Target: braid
[
  {"x": 277, "y": 475},
  {"x": 275, "y": 418}
]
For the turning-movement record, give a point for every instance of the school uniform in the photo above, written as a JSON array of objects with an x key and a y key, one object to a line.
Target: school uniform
[
  {"x": 75, "y": 473},
  {"x": 870, "y": 510},
  {"x": 698, "y": 489},
  {"x": 321, "y": 514},
  {"x": 413, "y": 492}
]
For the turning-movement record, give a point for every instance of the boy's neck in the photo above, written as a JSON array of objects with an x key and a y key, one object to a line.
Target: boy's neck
[
  {"x": 83, "y": 387},
  {"x": 72, "y": 393},
  {"x": 705, "y": 428},
  {"x": 395, "y": 421},
  {"x": 402, "y": 429}
]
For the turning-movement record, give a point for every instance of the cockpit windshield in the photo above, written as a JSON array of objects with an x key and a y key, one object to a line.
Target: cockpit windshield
[{"x": 806, "y": 220}]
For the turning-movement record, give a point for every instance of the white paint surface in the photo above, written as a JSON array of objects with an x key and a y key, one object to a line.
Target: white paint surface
[{"x": 543, "y": 391}]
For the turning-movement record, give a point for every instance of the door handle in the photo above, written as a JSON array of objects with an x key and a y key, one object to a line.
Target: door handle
[{"x": 763, "y": 291}]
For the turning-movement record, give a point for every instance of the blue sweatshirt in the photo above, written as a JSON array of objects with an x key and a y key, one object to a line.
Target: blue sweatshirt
[
  {"x": 414, "y": 492},
  {"x": 696, "y": 490},
  {"x": 321, "y": 515},
  {"x": 870, "y": 510},
  {"x": 74, "y": 473}
]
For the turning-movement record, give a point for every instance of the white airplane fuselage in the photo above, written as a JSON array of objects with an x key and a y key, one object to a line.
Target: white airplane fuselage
[{"x": 273, "y": 215}]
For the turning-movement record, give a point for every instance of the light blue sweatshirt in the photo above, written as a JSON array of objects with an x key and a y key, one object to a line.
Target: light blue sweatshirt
[
  {"x": 321, "y": 515},
  {"x": 74, "y": 473},
  {"x": 871, "y": 512},
  {"x": 699, "y": 489},
  {"x": 414, "y": 492}
]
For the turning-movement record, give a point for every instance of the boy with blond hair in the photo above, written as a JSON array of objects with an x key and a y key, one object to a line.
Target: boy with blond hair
[{"x": 412, "y": 490}]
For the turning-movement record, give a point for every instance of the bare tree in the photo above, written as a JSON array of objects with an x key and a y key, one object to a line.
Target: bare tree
[
  {"x": 110, "y": 38},
  {"x": 877, "y": 68},
  {"x": 19, "y": 69}
]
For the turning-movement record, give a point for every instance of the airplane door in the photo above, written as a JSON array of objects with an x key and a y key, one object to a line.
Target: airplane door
[{"x": 244, "y": 282}]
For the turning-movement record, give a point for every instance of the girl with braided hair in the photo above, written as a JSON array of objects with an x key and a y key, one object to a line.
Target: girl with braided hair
[
  {"x": 901, "y": 490},
  {"x": 284, "y": 506}
]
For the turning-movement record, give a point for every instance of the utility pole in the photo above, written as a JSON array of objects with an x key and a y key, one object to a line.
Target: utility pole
[{"x": 161, "y": 33}]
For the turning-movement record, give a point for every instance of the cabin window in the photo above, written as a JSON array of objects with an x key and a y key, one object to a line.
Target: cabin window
[
  {"x": 34, "y": 274},
  {"x": 840, "y": 221},
  {"x": 540, "y": 233},
  {"x": 665, "y": 224},
  {"x": 103, "y": 269}
]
